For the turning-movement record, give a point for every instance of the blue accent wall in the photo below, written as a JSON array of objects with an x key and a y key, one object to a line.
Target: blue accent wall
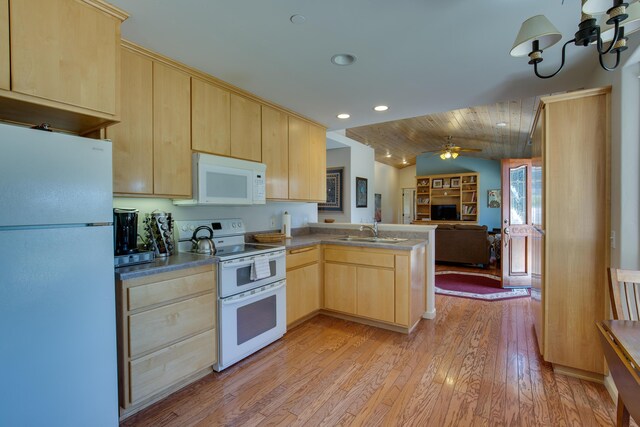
[{"x": 490, "y": 179}]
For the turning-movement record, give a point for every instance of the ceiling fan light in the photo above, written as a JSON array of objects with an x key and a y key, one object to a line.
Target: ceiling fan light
[
  {"x": 442, "y": 156},
  {"x": 631, "y": 24},
  {"x": 447, "y": 155},
  {"x": 454, "y": 155},
  {"x": 535, "y": 28}
]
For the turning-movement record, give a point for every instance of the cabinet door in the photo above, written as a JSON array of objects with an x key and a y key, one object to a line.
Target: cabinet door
[
  {"x": 133, "y": 136},
  {"x": 171, "y": 131},
  {"x": 376, "y": 293},
  {"x": 65, "y": 51},
  {"x": 245, "y": 129},
  {"x": 340, "y": 287},
  {"x": 310, "y": 296},
  {"x": 210, "y": 124},
  {"x": 275, "y": 152},
  {"x": 299, "y": 155},
  {"x": 317, "y": 163},
  {"x": 5, "y": 82}
]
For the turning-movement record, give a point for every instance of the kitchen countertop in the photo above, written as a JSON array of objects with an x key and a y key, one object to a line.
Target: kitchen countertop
[
  {"x": 304, "y": 240},
  {"x": 187, "y": 260},
  {"x": 162, "y": 265}
]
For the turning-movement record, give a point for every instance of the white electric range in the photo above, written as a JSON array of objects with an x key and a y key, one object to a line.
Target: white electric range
[{"x": 251, "y": 288}]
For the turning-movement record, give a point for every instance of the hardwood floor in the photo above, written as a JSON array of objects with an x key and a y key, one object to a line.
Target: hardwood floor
[{"x": 476, "y": 364}]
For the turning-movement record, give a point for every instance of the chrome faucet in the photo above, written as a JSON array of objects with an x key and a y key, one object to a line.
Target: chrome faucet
[{"x": 374, "y": 228}]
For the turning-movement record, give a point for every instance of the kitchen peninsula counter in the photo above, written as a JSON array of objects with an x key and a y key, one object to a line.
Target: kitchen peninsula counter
[{"x": 301, "y": 241}]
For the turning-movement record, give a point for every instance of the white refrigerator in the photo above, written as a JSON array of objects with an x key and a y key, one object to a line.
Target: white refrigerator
[{"x": 57, "y": 300}]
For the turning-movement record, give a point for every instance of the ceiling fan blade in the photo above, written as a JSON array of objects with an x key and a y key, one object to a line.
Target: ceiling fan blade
[{"x": 470, "y": 150}]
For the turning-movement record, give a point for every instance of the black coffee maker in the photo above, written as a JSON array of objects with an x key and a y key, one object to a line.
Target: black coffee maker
[{"x": 125, "y": 231}]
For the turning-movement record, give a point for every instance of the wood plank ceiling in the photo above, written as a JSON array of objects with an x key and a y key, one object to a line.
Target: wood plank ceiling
[{"x": 473, "y": 127}]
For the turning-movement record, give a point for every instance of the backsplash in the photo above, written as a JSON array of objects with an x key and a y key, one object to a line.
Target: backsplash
[{"x": 255, "y": 217}]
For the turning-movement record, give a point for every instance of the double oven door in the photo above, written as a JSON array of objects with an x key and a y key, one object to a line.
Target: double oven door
[{"x": 252, "y": 313}]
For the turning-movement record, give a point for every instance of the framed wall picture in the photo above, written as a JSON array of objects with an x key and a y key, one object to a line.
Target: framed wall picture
[
  {"x": 436, "y": 183},
  {"x": 455, "y": 182},
  {"x": 378, "y": 207},
  {"x": 361, "y": 192},
  {"x": 494, "y": 198},
  {"x": 334, "y": 191}
]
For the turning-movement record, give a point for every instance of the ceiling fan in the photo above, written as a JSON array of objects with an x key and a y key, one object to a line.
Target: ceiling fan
[{"x": 450, "y": 151}]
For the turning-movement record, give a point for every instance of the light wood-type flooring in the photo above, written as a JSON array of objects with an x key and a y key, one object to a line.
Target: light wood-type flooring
[{"x": 477, "y": 364}]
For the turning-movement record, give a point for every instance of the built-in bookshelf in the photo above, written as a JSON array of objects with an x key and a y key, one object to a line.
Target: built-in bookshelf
[{"x": 438, "y": 194}]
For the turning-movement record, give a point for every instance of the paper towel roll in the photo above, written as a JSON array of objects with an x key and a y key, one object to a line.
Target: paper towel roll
[{"x": 286, "y": 224}]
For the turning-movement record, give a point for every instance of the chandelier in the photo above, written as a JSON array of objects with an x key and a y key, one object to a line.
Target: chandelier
[{"x": 538, "y": 33}]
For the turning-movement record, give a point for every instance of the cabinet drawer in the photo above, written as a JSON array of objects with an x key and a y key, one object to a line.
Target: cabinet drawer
[
  {"x": 155, "y": 293},
  {"x": 302, "y": 256},
  {"x": 156, "y": 371},
  {"x": 362, "y": 257},
  {"x": 158, "y": 327}
]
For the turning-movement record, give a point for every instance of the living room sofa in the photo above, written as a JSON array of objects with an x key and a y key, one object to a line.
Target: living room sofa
[{"x": 463, "y": 243}]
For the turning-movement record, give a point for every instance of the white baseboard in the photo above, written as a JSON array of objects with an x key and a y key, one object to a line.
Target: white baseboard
[{"x": 429, "y": 314}]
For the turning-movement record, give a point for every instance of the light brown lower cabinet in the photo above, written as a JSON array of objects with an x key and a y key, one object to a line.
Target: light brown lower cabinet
[
  {"x": 166, "y": 333},
  {"x": 377, "y": 284},
  {"x": 303, "y": 283}
]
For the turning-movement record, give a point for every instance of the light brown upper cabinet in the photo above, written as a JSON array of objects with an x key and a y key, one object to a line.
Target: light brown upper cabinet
[
  {"x": 171, "y": 131},
  {"x": 245, "y": 129},
  {"x": 307, "y": 161},
  {"x": 210, "y": 121},
  {"x": 65, "y": 63},
  {"x": 133, "y": 136},
  {"x": 152, "y": 143},
  {"x": 5, "y": 68},
  {"x": 275, "y": 152},
  {"x": 299, "y": 156},
  {"x": 317, "y": 163}
]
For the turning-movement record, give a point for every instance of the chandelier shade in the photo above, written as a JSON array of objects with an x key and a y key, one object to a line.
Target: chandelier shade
[
  {"x": 631, "y": 24},
  {"x": 535, "y": 28}
]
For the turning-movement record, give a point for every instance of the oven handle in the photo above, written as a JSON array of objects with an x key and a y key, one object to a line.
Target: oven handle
[
  {"x": 233, "y": 301},
  {"x": 249, "y": 261}
]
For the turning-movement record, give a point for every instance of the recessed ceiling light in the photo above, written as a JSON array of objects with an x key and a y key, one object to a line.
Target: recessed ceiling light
[
  {"x": 297, "y": 19},
  {"x": 343, "y": 59},
  {"x": 380, "y": 108},
  {"x": 501, "y": 124},
  {"x": 388, "y": 155},
  {"x": 404, "y": 162},
  {"x": 343, "y": 116}
]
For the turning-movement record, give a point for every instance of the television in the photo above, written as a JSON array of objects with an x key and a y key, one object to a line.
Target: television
[{"x": 443, "y": 213}]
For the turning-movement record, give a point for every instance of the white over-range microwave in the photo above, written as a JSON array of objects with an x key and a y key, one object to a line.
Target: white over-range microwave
[{"x": 221, "y": 180}]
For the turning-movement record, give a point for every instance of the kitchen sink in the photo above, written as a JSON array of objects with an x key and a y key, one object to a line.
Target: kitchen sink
[{"x": 373, "y": 239}]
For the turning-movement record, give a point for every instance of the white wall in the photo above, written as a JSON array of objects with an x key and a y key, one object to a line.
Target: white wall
[
  {"x": 625, "y": 158},
  {"x": 256, "y": 217},
  {"x": 386, "y": 178},
  {"x": 340, "y": 158},
  {"x": 360, "y": 160}
]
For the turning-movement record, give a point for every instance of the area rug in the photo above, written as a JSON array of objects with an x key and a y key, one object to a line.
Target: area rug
[{"x": 484, "y": 287}]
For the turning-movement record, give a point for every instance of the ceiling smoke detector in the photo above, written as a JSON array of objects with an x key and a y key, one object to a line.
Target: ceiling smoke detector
[
  {"x": 297, "y": 19},
  {"x": 343, "y": 59}
]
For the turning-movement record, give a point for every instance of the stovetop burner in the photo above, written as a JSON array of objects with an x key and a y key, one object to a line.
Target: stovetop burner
[
  {"x": 228, "y": 238},
  {"x": 243, "y": 249}
]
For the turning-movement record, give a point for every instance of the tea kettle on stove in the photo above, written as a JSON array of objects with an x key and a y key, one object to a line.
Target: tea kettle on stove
[{"x": 203, "y": 245}]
